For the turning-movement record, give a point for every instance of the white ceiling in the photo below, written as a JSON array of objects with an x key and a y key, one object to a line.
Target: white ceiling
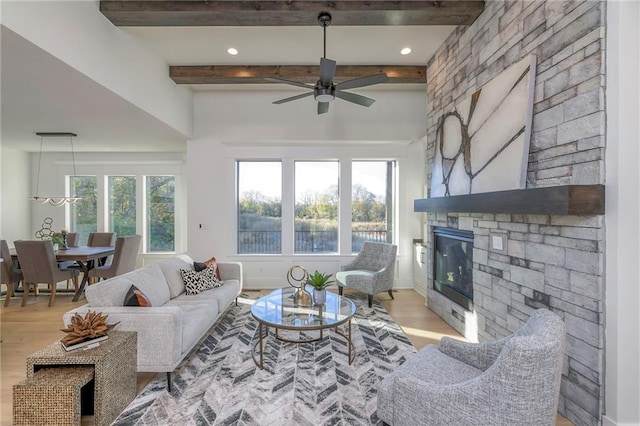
[{"x": 42, "y": 94}]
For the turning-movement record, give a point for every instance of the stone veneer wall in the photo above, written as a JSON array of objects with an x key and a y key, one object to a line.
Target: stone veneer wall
[{"x": 550, "y": 261}]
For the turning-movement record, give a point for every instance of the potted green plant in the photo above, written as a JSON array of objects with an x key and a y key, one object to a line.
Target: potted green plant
[
  {"x": 319, "y": 282},
  {"x": 57, "y": 241}
]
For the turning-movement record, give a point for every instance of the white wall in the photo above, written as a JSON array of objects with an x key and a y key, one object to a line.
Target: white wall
[
  {"x": 15, "y": 184},
  {"x": 622, "y": 333},
  {"x": 79, "y": 35},
  {"x": 245, "y": 125}
]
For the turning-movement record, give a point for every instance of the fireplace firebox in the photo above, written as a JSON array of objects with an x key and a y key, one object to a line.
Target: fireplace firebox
[{"x": 453, "y": 265}]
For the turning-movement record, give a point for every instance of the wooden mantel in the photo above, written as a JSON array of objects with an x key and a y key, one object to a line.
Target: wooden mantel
[{"x": 579, "y": 200}]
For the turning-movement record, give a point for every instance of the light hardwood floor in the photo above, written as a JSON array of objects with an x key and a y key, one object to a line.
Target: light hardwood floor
[{"x": 25, "y": 330}]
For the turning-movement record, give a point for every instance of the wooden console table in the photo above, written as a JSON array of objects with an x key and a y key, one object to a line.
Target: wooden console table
[{"x": 115, "y": 371}]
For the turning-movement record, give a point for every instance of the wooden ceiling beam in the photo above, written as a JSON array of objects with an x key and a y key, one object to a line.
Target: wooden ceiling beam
[
  {"x": 258, "y": 74},
  {"x": 289, "y": 12}
]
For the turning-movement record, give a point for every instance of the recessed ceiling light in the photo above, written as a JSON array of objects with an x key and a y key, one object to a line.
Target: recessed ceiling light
[
  {"x": 232, "y": 51},
  {"x": 405, "y": 51}
]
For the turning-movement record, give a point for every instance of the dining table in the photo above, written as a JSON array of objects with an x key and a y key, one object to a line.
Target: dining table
[{"x": 85, "y": 256}]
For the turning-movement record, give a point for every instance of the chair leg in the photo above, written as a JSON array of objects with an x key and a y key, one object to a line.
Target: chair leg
[
  {"x": 340, "y": 290},
  {"x": 9, "y": 294},
  {"x": 370, "y": 299},
  {"x": 25, "y": 293},
  {"x": 53, "y": 293},
  {"x": 391, "y": 294},
  {"x": 36, "y": 289}
]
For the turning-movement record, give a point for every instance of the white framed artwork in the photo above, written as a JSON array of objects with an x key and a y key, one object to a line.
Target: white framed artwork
[{"x": 483, "y": 144}]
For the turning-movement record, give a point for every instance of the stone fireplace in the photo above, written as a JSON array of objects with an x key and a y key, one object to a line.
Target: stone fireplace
[{"x": 549, "y": 259}]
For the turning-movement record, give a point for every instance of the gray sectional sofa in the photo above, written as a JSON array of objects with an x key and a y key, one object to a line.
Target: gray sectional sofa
[{"x": 175, "y": 322}]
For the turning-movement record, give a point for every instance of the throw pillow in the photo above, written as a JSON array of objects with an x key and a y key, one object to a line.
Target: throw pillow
[
  {"x": 199, "y": 266},
  {"x": 135, "y": 297},
  {"x": 198, "y": 281}
]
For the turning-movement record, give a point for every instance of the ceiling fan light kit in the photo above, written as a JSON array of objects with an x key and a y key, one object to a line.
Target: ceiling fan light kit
[{"x": 326, "y": 90}]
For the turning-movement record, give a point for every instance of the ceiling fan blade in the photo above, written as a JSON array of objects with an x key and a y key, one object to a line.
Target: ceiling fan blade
[
  {"x": 327, "y": 71},
  {"x": 293, "y": 98},
  {"x": 323, "y": 107},
  {"x": 356, "y": 99},
  {"x": 363, "y": 81},
  {"x": 293, "y": 83}
]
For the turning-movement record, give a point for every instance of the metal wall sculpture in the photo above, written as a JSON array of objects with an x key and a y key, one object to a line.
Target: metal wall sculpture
[{"x": 483, "y": 144}]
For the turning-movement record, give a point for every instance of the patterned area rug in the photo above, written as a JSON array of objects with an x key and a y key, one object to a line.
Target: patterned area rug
[{"x": 301, "y": 384}]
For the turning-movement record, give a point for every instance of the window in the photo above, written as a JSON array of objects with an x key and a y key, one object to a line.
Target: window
[
  {"x": 122, "y": 205},
  {"x": 259, "y": 206},
  {"x": 371, "y": 202},
  {"x": 84, "y": 213},
  {"x": 160, "y": 217},
  {"x": 294, "y": 206},
  {"x": 316, "y": 206}
]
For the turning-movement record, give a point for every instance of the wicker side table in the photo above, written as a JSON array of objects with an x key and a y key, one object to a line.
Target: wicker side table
[
  {"x": 114, "y": 361},
  {"x": 51, "y": 396}
]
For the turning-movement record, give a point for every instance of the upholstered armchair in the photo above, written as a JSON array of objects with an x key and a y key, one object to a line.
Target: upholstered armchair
[
  {"x": 512, "y": 381},
  {"x": 371, "y": 272}
]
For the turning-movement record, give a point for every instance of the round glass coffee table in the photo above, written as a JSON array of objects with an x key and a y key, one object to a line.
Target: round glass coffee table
[{"x": 277, "y": 310}]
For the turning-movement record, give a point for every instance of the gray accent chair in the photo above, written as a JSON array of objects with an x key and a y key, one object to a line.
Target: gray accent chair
[
  {"x": 371, "y": 272},
  {"x": 9, "y": 274},
  {"x": 512, "y": 381},
  {"x": 124, "y": 258},
  {"x": 39, "y": 265}
]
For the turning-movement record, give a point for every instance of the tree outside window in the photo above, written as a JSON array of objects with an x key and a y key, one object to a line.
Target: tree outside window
[
  {"x": 84, "y": 213},
  {"x": 160, "y": 217},
  {"x": 316, "y": 206},
  {"x": 122, "y": 205}
]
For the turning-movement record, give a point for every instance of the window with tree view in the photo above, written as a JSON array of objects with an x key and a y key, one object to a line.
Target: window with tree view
[
  {"x": 160, "y": 217},
  {"x": 371, "y": 202},
  {"x": 122, "y": 205},
  {"x": 316, "y": 206},
  {"x": 84, "y": 213},
  {"x": 259, "y": 206}
]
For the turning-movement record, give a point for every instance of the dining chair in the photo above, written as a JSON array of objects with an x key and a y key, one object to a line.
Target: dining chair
[
  {"x": 124, "y": 258},
  {"x": 38, "y": 263},
  {"x": 9, "y": 274},
  {"x": 72, "y": 239},
  {"x": 101, "y": 239}
]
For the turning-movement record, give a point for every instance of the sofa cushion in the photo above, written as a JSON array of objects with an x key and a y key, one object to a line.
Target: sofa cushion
[
  {"x": 196, "y": 282},
  {"x": 151, "y": 281},
  {"x": 171, "y": 270},
  {"x": 110, "y": 292},
  {"x": 199, "y": 314},
  {"x": 429, "y": 365}
]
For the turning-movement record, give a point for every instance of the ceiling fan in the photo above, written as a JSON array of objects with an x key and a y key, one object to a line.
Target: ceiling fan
[{"x": 325, "y": 90}]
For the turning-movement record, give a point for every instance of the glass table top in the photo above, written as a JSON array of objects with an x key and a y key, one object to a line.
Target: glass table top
[{"x": 277, "y": 309}]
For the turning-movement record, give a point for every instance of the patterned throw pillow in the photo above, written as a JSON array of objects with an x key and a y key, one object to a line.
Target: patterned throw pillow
[
  {"x": 135, "y": 297},
  {"x": 211, "y": 263},
  {"x": 198, "y": 281}
]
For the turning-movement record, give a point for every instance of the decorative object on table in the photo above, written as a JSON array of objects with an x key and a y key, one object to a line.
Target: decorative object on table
[
  {"x": 85, "y": 330},
  {"x": 319, "y": 282},
  {"x": 301, "y": 297},
  {"x": 57, "y": 241},
  {"x": 310, "y": 384},
  {"x": 58, "y": 200},
  {"x": 64, "y": 245},
  {"x": 483, "y": 144},
  {"x": 46, "y": 231}
]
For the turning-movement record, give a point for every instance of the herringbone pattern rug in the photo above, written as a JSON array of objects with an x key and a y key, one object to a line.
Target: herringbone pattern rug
[{"x": 301, "y": 384}]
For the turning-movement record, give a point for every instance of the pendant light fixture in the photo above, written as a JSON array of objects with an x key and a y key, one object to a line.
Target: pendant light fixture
[{"x": 55, "y": 201}]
